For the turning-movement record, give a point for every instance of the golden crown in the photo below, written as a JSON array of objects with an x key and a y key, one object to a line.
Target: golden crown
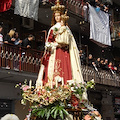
[
  {"x": 65, "y": 17},
  {"x": 58, "y": 7}
]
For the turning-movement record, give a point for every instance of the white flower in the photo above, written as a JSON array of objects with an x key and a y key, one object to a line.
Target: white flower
[
  {"x": 72, "y": 89},
  {"x": 23, "y": 102},
  {"x": 58, "y": 79},
  {"x": 70, "y": 82},
  {"x": 47, "y": 44},
  {"x": 92, "y": 81}
]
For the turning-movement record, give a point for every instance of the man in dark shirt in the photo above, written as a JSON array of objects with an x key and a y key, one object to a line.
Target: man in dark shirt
[
  {"x": 90, "y": 60},
  {"x": 27, "y": 41}
]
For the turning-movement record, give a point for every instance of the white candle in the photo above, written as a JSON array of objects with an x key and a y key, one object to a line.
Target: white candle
[
  {"x": 62, "y": 81},
  {"x": 56, "y": 82},
  {"x": 41, "y": 84},
  {"x": 30, "y": 84},
  {"x": 41, "y": 72}
]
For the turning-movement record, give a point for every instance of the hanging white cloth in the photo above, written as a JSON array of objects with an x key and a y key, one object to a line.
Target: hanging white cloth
[
  {"x": 99, "y": 26},
  {"x": 27, "y": 8}
]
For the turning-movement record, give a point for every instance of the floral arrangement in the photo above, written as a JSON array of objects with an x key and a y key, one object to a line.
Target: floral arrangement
[
  {"x": 94, "y": 115},
  {"x": 47, "y": 101}
]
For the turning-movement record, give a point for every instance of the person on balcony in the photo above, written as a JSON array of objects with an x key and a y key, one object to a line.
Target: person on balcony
[
  {"x": 82, "y": 57},
  {"x": 17, "y": 39},
  {"x": 106, "y": 64},
  {"x": 27, "y": 41},
  {"x": 1, "y": 36},
  {"x": 9, "y": 38},
  {"x": 112, "y": 68},
  {"x": 102, "y": 64},
  {"x": 90, "y": 60},
  {"x": 97, "y": 62}
]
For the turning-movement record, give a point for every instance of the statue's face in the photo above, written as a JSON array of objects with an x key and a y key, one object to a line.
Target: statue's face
[{"x": 57, "y": 17}]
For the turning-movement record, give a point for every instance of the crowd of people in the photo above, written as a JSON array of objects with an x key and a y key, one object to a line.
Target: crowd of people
[
  {"x": 99, "y": 63},
  {"x": 12, "y": 37},
  {"x": 100, "y": 5}
]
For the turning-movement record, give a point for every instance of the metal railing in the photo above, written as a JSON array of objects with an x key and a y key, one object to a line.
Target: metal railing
[
  {"x": 101, "y": 76},
  {"x": 19, "y": 58},
  {"x": 23, "y": 59}
]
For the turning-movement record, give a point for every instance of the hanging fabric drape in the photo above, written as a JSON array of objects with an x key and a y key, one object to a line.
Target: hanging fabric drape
[
  {"x": 99, "y": 27},
  {"x": 5, "y": 5},
  {"x": 27, "y": 8}
]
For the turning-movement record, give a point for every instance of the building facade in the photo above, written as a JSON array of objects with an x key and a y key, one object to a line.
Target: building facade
[{"x": 106, "y": 95}]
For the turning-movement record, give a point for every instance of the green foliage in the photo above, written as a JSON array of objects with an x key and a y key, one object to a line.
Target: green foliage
[
  {"x": 56, "y": 29},
  {"x": 51, "y": 110}
]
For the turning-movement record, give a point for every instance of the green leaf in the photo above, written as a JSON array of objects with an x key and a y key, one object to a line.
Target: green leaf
[
  {"x": 39, "y": 113},
  {"x": 34, "y": 110},
  {"x": 55, "y": 113},
  {"x": 61, "y": 113},
  {"x": 48, "y": 114},
  {"x": 42, "y": 113},
  {"x": 65, "y": 112},
  {"x": 53, "y": 109}
]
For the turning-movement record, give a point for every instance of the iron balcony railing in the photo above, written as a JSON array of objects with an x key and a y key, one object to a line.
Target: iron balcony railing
[
  {"x": 23, "y": 59},
  {"x": 101, "y": 77},
  {"x": 19, "y": 58}
]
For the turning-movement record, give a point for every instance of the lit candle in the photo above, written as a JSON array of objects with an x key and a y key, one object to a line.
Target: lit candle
[{"x": 30, "y": 84}]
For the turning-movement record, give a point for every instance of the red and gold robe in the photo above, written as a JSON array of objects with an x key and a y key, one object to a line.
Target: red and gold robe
[{"x": 61, "y": 62}]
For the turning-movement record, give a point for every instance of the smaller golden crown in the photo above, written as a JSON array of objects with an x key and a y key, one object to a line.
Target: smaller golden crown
[
  {"x": 65, "y": 17},
  {"x": 58, "y": 7}
]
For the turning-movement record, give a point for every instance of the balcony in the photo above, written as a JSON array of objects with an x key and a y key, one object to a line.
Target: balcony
[
  {"x": 19, "y": 58},
  {"x": 24, "y": 60},
  {"x": 101, "y": 77}
]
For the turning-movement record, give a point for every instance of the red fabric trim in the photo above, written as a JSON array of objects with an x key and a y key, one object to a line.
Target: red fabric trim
[{"x": 5, "y": 5}]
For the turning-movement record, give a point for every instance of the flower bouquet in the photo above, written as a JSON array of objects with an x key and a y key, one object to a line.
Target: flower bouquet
[{"x": 52, "y": 102}]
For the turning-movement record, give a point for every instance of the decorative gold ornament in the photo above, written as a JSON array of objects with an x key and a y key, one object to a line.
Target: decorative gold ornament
[
  {"x": 58, "y": 7},
  {"x": 64, "y": 17}
]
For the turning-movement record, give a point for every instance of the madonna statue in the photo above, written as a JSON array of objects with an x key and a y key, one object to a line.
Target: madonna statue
[{"x": 61, "y": 57}]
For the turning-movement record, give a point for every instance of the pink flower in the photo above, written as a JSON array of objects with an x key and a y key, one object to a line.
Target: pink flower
[
  {"x": 47, "y": 98},
  {"x": 65, "y": 86},
  {"x": 19, "y": 83},
  {"x": 78, "y": 85},
  {"x": 25, "y": 88},
  {"x": 43, "y": 91},
  {"x": 87, "y": 117},
  {"x": 51, "y": 99}
]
